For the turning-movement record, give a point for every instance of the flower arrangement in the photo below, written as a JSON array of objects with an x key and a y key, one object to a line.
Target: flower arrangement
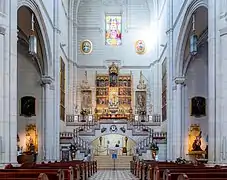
[
  {"x": 180, "y": 160},
  {"x": 84, "y": 112},
  {"x": 154, "y": 147}
]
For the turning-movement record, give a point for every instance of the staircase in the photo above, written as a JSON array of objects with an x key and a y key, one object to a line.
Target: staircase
[
  {"x": 83, "y": 133},
  {"x": 107, "y": 163}
]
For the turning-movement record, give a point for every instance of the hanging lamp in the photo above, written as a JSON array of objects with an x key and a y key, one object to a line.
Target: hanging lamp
[
  {"x": 193, "y": 38},
  {"x": 32, "y": 38}
]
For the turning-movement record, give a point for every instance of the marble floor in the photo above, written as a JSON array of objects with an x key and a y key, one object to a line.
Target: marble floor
[{"x": 113, "y": 175}]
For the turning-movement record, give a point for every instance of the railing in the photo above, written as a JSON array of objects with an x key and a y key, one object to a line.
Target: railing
[
  {"x": 76, "y": 139},
  {"x": 106, "y": 151},
  {"x": 155, "y": 137},
  {"x": 77, "y": 120}
]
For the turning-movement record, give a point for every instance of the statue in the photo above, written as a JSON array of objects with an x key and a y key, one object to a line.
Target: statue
[
  {"x": 196, "y": 146},
  {"x": 141, "y": 85},
  {"x": 73, "y": 150}
]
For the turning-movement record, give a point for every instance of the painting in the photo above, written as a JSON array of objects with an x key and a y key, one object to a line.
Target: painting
[
  {"x": 198, "y": 106},
  {"x": 140, "y": 47},
  {"x": 113, "y": 30},
  {"x": 140, "y": 100},
  {"x": 27, "y": 106},
  {"x": 86, "y": 47}
]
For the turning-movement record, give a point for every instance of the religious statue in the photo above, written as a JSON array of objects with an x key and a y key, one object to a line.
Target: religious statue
[
  {"x": 141, "y": 101},
  {"x": 86, "y": 100},
  {"x": 196, "y": 146},
  {"x": 141, "y": 85},
  {"x": 113, "y": 80},
  {"x": 73, "y": 150}
]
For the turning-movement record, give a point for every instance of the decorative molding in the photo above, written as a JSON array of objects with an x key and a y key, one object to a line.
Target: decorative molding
[
  {"x": 113, "y": 3},
  {"x": 141, "y": 85},
  {"x": 46, "y": 80},
  {"x": 223, "y": 31},
  {"x": 109, "y": 62},
  {"x": 84, "y": 85},
  {"x": 2, "y": 30},
  {"x": 179, "y": 80}
]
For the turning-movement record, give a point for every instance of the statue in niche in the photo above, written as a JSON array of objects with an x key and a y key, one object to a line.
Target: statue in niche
[
  {"x": 86, "y": 100},
  {"x": 141, "y": 84},
  {"x": 196, "y": 146},
  {"x": 113, "y": 80},
  {"x": 113, "y": 75},
  {"x": 140, "y": 101}
]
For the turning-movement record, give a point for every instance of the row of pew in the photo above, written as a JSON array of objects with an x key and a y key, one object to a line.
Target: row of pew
[
  {"x": 72, "y": 170},
  {"x": 153, "y": 170}
]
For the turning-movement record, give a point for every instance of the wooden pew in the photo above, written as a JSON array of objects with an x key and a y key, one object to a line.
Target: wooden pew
[
  {"x": 203, "y": 176},
  {"x": 42, "y": 176},
  {"x": 30, "y": 174},
  {"x": 78, "y": 169},
  {"x": 174, "y": 173},
  {"x": 157, "y": 169}
]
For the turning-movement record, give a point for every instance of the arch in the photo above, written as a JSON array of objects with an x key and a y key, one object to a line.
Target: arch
[
  {"x": 76, "y": 5},
  {"x": 183, "y": 32},
  {"x": 32, "y": 5}
]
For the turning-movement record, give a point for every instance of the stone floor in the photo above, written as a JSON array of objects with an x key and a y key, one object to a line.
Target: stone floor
[{"x": 113, "y": 175}]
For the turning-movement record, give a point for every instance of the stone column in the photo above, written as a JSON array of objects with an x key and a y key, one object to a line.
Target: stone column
[
  {"x": 212, "y": 118},
  {"x": 219, "y": 139},
  {"x": 8, "y": 98},
  {"x": 48, "y": 134},
  {"x": 177, "y": 121},
  {"x": 170, "y": 147}
]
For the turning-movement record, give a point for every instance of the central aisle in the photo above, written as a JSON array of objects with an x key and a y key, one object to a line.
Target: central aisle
[{"x": 113, "y": 175}]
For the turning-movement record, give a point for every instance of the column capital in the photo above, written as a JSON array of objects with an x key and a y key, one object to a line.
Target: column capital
[
  {"x": 46, "y": 80},
  {"x": 2, "y": 30},
  {"x": 179, "y": 80}
]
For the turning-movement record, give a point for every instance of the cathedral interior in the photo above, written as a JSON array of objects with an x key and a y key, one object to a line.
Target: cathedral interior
[{"x": 96, "y": 86}]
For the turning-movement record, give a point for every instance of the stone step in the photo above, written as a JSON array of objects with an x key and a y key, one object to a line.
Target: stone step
[{"x": 106, "y": 162}]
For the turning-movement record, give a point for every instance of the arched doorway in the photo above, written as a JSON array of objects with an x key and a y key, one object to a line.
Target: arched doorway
[
  {"x": 194, "y": 70},
  {"x": 31, "y": 74},
  {"x": 103, "y": 144}
]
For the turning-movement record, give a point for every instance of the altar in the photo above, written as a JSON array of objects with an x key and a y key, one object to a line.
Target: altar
[{"x": 113, "y": 95}]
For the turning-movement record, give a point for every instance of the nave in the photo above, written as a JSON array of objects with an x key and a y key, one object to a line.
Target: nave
[{"x": 113, "y": 175}]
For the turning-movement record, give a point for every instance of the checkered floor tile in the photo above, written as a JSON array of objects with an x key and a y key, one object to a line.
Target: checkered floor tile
[{"x": 113, "y": 175}]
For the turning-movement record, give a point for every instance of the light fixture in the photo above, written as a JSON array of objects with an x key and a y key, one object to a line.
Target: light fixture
[
  {"x": 32, "y": 39},
  {"x": 193, "y": 38}
]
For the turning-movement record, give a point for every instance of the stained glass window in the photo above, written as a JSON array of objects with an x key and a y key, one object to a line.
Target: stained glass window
[{"x": 113, "y": 30}]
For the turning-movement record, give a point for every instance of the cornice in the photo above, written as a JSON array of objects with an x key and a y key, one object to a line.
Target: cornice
[
  {"x": 122, "y": 66},
  {"x": 2, "y": 30}
]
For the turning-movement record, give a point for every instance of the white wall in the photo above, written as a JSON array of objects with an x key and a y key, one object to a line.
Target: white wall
[{"x": 135, "y": 22}]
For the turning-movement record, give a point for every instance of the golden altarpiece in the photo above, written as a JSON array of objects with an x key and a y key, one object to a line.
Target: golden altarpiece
[{"x": 113, "y": 95}]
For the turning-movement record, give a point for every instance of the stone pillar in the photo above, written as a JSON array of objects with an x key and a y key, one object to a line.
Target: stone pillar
[
  {"x": 177, "y": 121},
  {"x": 8, "y": 97},
  {"x": 220, "y": 123},
  {"x": 212, "y": 93},
  {"x": 170, "y": 132},
  {"x": 48, "y": 135}
]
